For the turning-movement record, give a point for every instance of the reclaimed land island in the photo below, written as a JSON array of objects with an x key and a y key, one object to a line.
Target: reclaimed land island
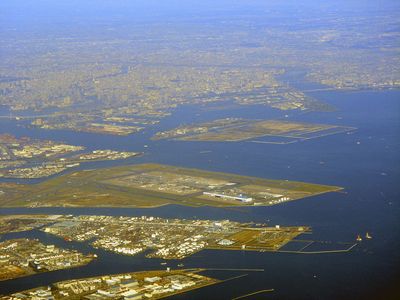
[
  {"x": 136, "y": 285},
  {"x": 24, "y": 257},
  {"x": 31, "y": 159},
  {"x": 152, "y": 185},
  {"x": 259, "y": 131},
  {"x": 157, "y": 237}
]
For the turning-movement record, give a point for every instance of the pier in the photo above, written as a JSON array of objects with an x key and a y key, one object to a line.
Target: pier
[{"x": 253, "y": 293}]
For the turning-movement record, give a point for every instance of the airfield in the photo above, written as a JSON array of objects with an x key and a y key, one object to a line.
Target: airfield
[
  {"x": 153, "y": 185},
  {"x": 260, "y": 131}
]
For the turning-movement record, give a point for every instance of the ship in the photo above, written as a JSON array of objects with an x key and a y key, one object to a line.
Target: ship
[
  {"x": 368, "y": 236},
  {"x": 359, "y": 239}
]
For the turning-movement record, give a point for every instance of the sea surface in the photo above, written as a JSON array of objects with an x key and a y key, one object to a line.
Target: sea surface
[{"x": 365, "y": 162}]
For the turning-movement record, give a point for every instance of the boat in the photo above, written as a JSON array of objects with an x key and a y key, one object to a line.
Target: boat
[
  {"x": 368, "y": 236},
  {"x": 180, "y": 265},
  {"x": 163, "y": 263},
  {"x": 359, "y": 239}
]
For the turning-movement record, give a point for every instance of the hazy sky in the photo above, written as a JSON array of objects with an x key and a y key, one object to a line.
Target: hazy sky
[
  {"x": 14, "y": 12},
  {"x": 37, "y": 17}
]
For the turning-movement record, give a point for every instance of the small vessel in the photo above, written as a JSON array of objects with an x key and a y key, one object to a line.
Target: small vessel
[
  {"x": 368, "y": 236},
  {"x": 180, "y": 265},
  {"x": 163, "y": 263},
  {"x": 359, "y": 239}
]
